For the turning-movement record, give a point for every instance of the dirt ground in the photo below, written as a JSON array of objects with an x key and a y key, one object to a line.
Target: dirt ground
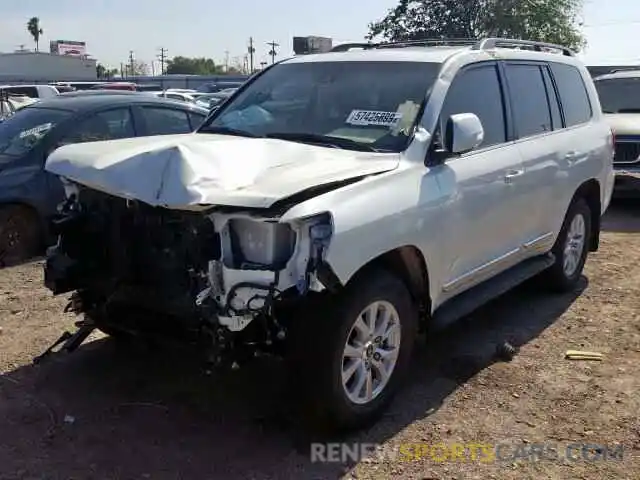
[{"x": 107, "y": 412}]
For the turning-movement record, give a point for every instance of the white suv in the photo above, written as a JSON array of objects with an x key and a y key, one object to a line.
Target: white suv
[
  {"x": 619, "y": 94},
  {"x": 336, "y": 204}
]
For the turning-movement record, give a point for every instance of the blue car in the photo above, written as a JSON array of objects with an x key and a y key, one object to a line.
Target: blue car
[{"x": 29, "y": 196}]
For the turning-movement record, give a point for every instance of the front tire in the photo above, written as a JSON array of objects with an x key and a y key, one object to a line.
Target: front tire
[
  {"x": 351, "y": 355},
  {"x": 571, "y": 249}
]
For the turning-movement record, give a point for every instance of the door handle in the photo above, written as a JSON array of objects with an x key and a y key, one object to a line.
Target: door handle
[
  {"x": 572, "y": 156},
  {"x": 511, "y": 174}
]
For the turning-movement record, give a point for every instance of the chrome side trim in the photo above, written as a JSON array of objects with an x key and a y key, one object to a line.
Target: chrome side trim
[
  {"x": 471, "y": 275},
  {"x": 538, "y": 242}
]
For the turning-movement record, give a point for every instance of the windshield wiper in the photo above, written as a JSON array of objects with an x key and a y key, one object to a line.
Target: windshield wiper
[
  {"x": 326, "y": 140},
  {"x": 227, "y": 131}
]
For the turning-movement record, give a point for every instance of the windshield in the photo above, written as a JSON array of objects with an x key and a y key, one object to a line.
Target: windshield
[
  {"x": 24, "y": 130},
  {"x": 619, "y": 95},
  {"x": 371, "y": 104}
]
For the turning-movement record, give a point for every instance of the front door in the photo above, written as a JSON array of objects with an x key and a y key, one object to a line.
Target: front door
[{"x": 483, "y": 211}]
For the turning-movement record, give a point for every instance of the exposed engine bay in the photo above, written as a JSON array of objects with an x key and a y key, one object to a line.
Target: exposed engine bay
[{"x": 222, "y": 278}]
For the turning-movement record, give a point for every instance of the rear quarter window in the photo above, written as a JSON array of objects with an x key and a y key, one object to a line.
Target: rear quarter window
[
  {"x": 28, "y": 91},
  {"x": 573, "y": 94}
]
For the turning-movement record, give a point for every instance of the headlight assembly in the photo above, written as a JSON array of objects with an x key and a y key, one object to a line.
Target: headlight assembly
[{"x": 260, "y": 244}]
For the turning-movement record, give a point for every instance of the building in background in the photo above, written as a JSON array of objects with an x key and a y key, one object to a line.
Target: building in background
[
  {"x": 68, "y": 47},
  {"x": 311, "y": 44},
  {"x": 40, "y": 67}
]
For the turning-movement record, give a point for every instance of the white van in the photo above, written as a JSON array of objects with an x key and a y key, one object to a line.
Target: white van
[{"x": 32, "y": 91}]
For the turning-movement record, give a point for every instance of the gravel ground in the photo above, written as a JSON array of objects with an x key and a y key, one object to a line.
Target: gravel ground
[{"x": 109, "y": 412}]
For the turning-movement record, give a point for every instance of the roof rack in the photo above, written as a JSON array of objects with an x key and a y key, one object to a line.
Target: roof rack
[
  {"x": 475, "y": 43},
  {"x": 345, "y": 47},
  {"x": 490, "y": 43},
  {"x": 430, "y": 42}
]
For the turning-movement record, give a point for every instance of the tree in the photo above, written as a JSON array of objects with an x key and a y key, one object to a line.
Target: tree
[
  {"x": 104, "y": 72},
  {"x": 139, "y": 68},
  {"x": 34, "y": 29},
  {"x": 554, "y": 21},
  {"x": 193, "y": 66}
]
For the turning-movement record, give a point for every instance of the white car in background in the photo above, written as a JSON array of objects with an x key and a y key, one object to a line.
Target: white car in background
[
  {"x": 619, "y": 93},
  {"x": 32, "y": 91},
  {"x": 174, "y": 95}
]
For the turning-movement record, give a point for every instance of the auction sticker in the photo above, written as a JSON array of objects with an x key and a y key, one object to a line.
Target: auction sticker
[
  {"x": 36, "y": 130},
  {"x": 372, "y": 117}
]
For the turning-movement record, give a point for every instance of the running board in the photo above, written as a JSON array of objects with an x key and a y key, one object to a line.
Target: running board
[{"x": 470, "y": 300}]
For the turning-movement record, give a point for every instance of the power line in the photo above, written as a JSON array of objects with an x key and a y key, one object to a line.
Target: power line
[
  {"x": 162, "y": 56},
  {"x": 273, "y": 52}
]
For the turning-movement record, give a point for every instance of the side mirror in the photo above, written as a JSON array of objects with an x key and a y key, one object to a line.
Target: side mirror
[{"x": 463, "y": 133}]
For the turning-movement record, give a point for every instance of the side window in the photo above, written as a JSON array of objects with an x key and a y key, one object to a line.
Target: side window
[
  {"x": 573, "y": 94},
  {"x": 31, "y": 92},
  {"x": 107, "y": 125},
  {"x": 531, "y": 113},
  {"x": 165, "y": 121},
  {"x": 477, "y": 90},
  {"x": 552, "y": 97},
  {"x": 196, "y": 120}
]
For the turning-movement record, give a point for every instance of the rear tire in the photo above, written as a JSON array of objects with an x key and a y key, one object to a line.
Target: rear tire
[
  {"x": 20, "y": 235},
  {"x": 339, "y": 359},
  {"x": 570, "y": 250}
]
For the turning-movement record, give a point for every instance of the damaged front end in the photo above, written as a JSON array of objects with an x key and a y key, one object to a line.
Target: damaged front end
[{"x": 223, "y": 279}]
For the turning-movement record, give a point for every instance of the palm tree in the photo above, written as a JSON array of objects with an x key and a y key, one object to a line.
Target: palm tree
[{"x": 33, "y": 27}]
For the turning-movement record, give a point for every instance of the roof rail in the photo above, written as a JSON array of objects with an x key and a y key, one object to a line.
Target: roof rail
[
  {"x": 345, "y": 47},
  {"x": 489, "y": 43},
  {"x": 430, "y": 42},
  {"x": 475, "y": 43}
]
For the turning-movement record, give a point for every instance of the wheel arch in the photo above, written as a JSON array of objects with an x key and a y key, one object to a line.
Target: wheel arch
[
  {"x": 409, "y": 264},
  {"x": 590, "y": 191}
]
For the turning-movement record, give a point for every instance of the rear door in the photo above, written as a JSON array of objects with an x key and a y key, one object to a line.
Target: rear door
[
  {"x": 583, "y": 140},
  {"x": 537, "y": 129}
]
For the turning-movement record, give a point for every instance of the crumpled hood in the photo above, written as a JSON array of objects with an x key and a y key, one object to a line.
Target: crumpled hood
[
  {"x": 190, "y": 170},
  {"x": 624, "y": 123}
]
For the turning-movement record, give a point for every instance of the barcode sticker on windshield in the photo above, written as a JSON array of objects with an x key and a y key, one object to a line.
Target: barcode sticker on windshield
[
  {"x": 372, "y": 117},
  {"x": 36, "y": 130}
]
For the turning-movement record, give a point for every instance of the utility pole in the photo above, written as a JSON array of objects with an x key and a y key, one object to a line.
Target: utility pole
[
  {"x": 252, "y": 51},
  {"x": 121, "y": 70},
  {"x": 273, "y": 52},
  {"x": 162, "y": 56},
  {"x": 226, "y": 61},
  {"x": 131, "y": 63}
]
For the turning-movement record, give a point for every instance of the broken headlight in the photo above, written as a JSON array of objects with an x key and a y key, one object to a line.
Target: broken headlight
[{"x": 260, "y": 244}]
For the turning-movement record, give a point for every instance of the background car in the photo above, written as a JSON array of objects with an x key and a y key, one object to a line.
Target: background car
[
  {"x": 33, "y": 91},
  {"x": 619, "y": 93},
  {"x": 181, "y": 96},
  {"x": 217, "y": 86},
  {"x": 210, "y": 100},
  {"x": 29, "y": 196},
  {"x": 84, "y": 93}
]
